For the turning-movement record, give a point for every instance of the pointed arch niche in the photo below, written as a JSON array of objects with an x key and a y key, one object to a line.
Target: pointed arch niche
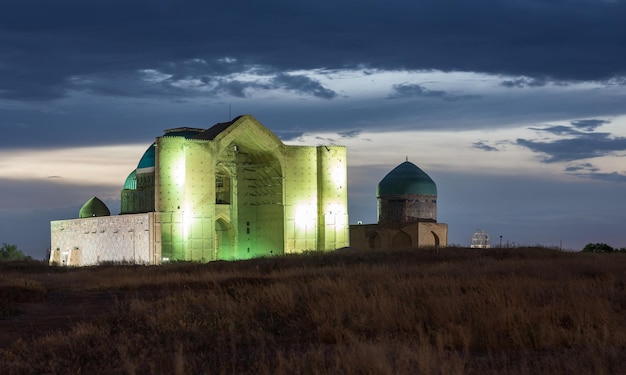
[{"x": 401, "y": 240}]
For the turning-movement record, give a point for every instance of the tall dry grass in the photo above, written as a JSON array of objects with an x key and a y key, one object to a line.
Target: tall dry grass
[{"x": 517, "y": 311}]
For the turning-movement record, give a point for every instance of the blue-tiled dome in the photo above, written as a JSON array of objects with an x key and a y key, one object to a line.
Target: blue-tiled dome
[{"x": 406, "y": 178}]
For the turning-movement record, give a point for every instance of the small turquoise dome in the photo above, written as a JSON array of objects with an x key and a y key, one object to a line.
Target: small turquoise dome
[
  {"x": 131, "y": 181},
  {"x": 406, "y": 178},
  {"x": 93, "y": 208}
]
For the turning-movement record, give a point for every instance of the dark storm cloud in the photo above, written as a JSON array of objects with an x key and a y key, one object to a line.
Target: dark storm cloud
[
  {"x": 44, "y": 45},
  {"x": 580, "y": 144}
]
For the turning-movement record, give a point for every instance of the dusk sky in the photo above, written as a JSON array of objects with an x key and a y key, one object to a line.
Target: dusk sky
[{"x": 515, "y": 108}]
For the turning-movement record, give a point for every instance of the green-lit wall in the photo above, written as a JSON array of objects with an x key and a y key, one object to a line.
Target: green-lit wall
[
  {"x": 199, "y": 198},
  {"x": 170, "y": 195},
  {"x": 245, "y": 194},
  {"x": 333, "y": 206},
  {"x": 301, "y": 199}
]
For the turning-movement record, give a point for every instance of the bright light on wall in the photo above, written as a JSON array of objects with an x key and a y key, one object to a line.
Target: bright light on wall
[
  {"x": 338, "y": 174},
  {"x": 305, "y": 216},
  {"x": 187, "y": 221},
  {"x": 336, "y": 214},
  {"x": 179, "y": 172}
]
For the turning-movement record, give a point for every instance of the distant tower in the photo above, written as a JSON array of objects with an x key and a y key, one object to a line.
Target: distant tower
[{"x": 405, "y": 195}]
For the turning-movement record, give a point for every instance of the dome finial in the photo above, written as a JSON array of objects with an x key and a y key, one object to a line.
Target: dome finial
[{"x": 407, "y": 158}]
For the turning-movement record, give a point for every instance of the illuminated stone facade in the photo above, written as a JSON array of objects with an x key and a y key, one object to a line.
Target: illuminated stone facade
[
  {"x": 233, "y": 191},
  {"x": 127, "y": 239}
]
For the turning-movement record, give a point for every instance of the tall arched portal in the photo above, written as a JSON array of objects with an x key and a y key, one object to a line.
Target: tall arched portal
[{"x": 260, "y": 211}]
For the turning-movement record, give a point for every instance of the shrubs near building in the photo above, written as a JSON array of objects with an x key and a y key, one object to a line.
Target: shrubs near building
[
  {"x": 602, "y": 248},
  {"x": 11, "y": 252}
]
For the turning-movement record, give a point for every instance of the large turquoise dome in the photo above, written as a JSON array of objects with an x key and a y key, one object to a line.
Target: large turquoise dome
[
  {"x": 147, "y": 160},
  {"x": 406, "y": 178}
]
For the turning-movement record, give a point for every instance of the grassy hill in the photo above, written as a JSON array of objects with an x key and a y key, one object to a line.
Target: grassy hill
[{"x": 456, "y": 311}]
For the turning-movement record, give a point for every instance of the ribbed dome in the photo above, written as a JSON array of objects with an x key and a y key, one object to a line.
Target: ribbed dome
[
  {"x": 94, "y": 207},
  {"x": 131, "y": 181},
  {"x": 406, "y": 178}
]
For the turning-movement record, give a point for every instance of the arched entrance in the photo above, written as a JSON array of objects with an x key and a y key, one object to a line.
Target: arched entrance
[
  {"x": 435, "y": 239},
  {"x": 374, "y": 241},
  {"x": 401, "y": 240}
]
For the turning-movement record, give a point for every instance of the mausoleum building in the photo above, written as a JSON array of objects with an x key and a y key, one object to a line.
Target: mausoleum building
[
  {"x": 407, "y": 213},
  {"x": 233, "y": 191}
]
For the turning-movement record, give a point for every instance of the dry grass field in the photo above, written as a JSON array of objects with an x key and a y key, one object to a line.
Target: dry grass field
[{"x": 458, "y": 311}]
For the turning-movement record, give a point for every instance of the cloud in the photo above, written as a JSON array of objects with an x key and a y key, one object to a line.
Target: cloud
[
  {"x": 483, "y": 146},
  {"x": 198, "y": 79},
  {"x": 350, "y": 133},
  {"x": 558, "y": 130},
  {"x": 582, "y": 142},
  {"x": 588, "y": 167},
  {"x": 524, "y": 82},
  {"x": 577, "y": 128},
  {"x": 406, "y": 90},
  {"x": 236, "y": 88},
  {"x": 583, "y": 147},
  {"x": 590, "y": 171},
  {"x": 600, "y": 176},
  {"x": 589, "y": 125},
  {"x": 302, "y": 84}
]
